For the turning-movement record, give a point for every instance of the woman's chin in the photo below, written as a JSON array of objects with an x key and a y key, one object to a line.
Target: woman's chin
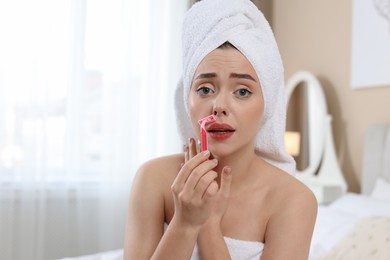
[{"x": 219, "y": 153}]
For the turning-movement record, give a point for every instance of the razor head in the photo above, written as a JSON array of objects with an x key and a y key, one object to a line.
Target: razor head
[{"x": 206, "y": 120}]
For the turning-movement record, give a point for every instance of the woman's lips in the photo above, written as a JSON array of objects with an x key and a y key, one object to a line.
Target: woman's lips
[
  {"x": 220, "y": 131},
  {"x": 220, "y": 135}
]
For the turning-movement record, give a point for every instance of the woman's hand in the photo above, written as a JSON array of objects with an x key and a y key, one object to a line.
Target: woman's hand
[
  {"x": 195, "y": 188},
  {"x": 217, "y": 202},
  {"x": 210, "y": 232},
  {"x": 221, "y": 200}
]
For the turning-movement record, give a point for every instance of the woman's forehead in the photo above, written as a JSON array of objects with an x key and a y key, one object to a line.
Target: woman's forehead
[{"x": 229, "y": 59}]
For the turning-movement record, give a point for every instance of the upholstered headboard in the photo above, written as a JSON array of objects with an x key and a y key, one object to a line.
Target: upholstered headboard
[{"x": 376, "y": 157}]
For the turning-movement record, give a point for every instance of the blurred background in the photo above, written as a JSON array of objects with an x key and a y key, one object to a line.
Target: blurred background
[
  {"x": 86, "y": 91},
  {"x": 86, "y": 96}
]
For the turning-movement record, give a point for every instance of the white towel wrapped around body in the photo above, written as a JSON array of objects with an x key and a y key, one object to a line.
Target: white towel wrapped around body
[{"x": 209, "y": 24}]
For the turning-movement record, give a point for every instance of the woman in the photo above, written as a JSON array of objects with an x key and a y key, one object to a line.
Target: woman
[{"x": 238, "y": 199}]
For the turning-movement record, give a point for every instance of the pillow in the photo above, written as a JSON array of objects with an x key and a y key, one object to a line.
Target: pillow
[
  {"x": 361, "y": 205},
  {"x": 381, "y": 190}
]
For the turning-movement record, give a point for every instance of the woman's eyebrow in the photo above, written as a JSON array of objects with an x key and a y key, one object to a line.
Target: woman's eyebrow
[
  {"x": 242, "y": 76},
  {"x": 206, "y": 75},
  {"x": 232, "y": 75}
]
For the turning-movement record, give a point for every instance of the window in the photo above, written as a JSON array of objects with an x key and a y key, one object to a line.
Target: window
[{"x": 86, "y": 87}]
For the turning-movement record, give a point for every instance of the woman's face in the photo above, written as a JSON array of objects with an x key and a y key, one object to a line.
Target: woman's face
[{"x": 225, "y": 84}]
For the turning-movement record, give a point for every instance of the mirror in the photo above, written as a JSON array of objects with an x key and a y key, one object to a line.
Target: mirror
[
  {"x": 307, "y": 115},
  {"x": 306, "y": 112}
]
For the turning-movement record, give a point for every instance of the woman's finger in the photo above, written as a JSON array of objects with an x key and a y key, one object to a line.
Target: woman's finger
[
  {"x": 203, "y": 183},
  {"x": 226, "y": 180},
  {"x": 186, "y": 170},
  {"x": 186, "y": 154},
  {"x": 197, "y": 173},
  {"x": 210, "y": 193},
  {"x": 192, "y": 148}
]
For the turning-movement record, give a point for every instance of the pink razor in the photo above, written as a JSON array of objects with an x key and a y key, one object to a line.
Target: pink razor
[{"x": 203, "y": 135}]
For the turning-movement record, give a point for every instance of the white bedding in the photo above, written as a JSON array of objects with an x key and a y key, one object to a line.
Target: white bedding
[
  {"x": 108, "y": 255},
  {"x": 335, "y": 222}
]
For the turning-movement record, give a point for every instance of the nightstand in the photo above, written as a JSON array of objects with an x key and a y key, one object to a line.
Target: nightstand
[{"x": 325, "y": 192}]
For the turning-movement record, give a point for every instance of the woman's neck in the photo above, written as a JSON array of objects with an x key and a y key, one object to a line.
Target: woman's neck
[{"x": 243, "y": 164}]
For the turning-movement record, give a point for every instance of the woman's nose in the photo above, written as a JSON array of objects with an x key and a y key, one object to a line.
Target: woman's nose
[
  {"x": 219, "y": 111},
  {"x": 220, "y": 107}
]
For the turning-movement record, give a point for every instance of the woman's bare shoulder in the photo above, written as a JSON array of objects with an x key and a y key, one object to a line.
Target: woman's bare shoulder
[
  {"x": 295, "y": 193},
  {"x": 161, "y": 168},
  {"x": 293, "y": 210},
  {"x": 292, "y": 219},
  {"x": 164, "y": 162}
]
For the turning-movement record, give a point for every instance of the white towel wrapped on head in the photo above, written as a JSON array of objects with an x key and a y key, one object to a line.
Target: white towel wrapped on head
[{"x": 209, "y": 24}]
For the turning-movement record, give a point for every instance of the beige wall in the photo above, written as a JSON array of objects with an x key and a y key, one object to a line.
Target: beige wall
[{"x": 316, "y": 36}]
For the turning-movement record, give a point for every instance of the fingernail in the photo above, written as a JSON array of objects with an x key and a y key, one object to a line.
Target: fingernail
[
  {"x": 227, "y": 170},
  {"x": 206, "y": 153},
  {"x": 215, "y": 161}
]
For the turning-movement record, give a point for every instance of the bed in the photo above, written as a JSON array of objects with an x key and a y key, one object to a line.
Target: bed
[
  {"x": 354, "y": 226},
  {"x": 357, "y": 226}
]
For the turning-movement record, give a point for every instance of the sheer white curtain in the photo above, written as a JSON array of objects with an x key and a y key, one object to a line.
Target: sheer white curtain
[{"x": 86, "y": 96}]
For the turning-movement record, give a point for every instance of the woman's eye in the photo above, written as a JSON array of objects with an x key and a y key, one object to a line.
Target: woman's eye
[
  {"x": 204, "y": 91},
  {"x": 243, "y": 92}
]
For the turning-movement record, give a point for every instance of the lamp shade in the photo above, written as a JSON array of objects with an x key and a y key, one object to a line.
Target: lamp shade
[{"x": 292, "y": 142}]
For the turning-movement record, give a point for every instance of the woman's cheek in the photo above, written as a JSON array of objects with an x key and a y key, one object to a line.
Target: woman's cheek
[{"x": 194, "y": 115}]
